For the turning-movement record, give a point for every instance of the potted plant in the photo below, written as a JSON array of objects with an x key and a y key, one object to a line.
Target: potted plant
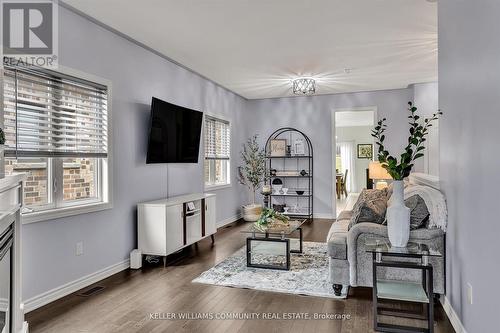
[
  {"x": 252, "y": 174},
  {"x": 270, "y": 216},
  {"x": 398, "y": 215}
]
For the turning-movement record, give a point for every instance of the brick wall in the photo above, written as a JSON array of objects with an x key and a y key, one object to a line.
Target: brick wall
[{"x": 78, "y": 179}]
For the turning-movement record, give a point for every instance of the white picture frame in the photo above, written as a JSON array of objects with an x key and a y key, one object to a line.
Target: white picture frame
[{"x": 299, "y": 147}]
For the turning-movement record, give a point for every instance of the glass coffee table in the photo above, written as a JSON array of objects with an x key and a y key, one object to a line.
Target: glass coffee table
[
  {"x": 270, "y": 246},
  {"x": 385, "y": 256}
]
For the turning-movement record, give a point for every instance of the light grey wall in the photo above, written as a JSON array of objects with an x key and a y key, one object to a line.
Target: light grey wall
[
  {"x": 313, "y": 116},
  {"x": 426, "y": 100},
  {"x": 469, "y": 86},
  {"x": 136, "y": 75},
  {"x": 360, "y": 135},
  {"x": 426, "y": 97}
]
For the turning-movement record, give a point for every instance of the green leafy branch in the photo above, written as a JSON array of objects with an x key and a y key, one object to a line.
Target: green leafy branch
[
  {"x": 413, "y": 150},
  {"x": 268, "y": 215},
  {"x": 253, "y": 173}
]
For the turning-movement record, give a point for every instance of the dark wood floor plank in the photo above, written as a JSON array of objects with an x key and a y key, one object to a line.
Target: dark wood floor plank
[{"x": 130, "y": 296}]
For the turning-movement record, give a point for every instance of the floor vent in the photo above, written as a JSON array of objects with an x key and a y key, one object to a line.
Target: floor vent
[{"x": 90, "y": 292}]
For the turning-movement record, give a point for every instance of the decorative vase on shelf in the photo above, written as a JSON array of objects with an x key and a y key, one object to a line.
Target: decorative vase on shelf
[
  {"x": 398, "y": 216},
  {"x": 266, "y": 190}
]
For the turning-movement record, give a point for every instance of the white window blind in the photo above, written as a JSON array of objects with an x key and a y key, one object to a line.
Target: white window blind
[
  {"x": 217, "y": 139},
  {"x": 47, "y": 114}
]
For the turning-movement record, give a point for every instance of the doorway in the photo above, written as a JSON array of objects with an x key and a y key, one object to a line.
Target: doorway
[{"x": 354, "y": 149}]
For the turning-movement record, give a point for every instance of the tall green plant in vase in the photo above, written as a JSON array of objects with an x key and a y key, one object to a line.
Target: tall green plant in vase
[
  {"x": 398, "y": 215},
  {"x": 252, "y": 174}
]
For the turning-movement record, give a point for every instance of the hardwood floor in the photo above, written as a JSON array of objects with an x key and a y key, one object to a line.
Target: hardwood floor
[{"x": 130, "y": 296}]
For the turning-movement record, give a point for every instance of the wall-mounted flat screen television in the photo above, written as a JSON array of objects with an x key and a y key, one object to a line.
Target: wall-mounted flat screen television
[{"x": 174, "y": 133}]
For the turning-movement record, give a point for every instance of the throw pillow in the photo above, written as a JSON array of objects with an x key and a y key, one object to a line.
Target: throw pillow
[
  {"x": 388, "y": 191},
  {"x": 419, "y": 214},
  {"x": 370, "y": 207}
]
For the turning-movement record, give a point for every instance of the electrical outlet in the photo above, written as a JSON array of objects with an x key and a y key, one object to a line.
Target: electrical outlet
[
  {"x": 469, "y": 293},
  {"x": 79, "y": 248}
]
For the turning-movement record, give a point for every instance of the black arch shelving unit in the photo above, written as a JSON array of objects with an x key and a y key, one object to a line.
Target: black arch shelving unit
[{"x": 300, "y": 205}]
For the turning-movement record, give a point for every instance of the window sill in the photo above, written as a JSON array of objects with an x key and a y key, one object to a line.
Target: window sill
[
  {"x": 216, "y": 187},
  {"x": 57, "y": 213}
]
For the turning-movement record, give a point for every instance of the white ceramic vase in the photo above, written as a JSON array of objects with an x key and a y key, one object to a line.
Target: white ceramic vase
[{"x": 398, "y": 216}]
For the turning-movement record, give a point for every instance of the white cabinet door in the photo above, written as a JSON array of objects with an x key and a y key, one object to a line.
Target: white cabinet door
[
  {"x": 210, "y": 224},
  {"x": 193, "y": 228},
  {"x": 175, "y": 232},
  {"x": 152, "y": 229}
]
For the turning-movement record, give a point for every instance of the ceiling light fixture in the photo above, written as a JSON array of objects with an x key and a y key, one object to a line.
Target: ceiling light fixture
[{"x": 304, "y": 86}]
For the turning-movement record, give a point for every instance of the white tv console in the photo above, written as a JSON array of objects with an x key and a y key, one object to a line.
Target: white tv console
[{"x": 167, "y": 225}]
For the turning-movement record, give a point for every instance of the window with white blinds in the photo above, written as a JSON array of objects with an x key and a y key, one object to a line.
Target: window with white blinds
[
  {"x": 51, "y": 115},
  {"x": 217, "y": 138},
  {"x": 217, "y": 151},
  {"x": 56, "y": 127}
]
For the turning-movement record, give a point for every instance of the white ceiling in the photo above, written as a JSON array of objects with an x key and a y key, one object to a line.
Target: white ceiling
[
  {"x": 354, "y": 118},
  {"x": 255, "y": 47}
]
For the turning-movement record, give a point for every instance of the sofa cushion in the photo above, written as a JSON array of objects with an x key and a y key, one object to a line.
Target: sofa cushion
[
  {"x": 337, "y": 246},
  {"x": 419, "y": 214},
  {"x": 339, "y": 271},
  {"x": 370, "y": 207},
  {"x": 337, "y": 239},
  {"x": 345, "y": 215},
  {"x": 338, "y": 227}
]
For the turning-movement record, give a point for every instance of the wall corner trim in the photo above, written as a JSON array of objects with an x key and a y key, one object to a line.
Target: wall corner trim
[
  {"x": 70, "y": 287},
  {"x": 452, "y": 315}
]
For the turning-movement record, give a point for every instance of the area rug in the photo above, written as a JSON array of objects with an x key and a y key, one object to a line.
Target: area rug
[{"x": 308, "y": 274}]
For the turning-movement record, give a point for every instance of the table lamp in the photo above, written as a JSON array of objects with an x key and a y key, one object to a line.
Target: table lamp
[{"x": 379, "y": 174}]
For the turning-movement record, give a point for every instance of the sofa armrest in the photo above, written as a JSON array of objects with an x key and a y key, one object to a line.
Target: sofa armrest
[
  {"x": 365, "y": 227},
  {"x": 379, "y": 230}
]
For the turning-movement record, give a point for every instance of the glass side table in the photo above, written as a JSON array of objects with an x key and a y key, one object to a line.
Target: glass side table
[{"x": 403, "y": 291}]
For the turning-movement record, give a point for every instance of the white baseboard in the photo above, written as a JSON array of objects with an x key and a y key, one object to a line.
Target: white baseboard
[
  {"x": 231, "y": 219},
  {"x": 70, "y": 287},
  {"x": 452, "y": 315}
]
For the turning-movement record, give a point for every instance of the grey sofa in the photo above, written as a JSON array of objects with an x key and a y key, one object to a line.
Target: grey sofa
[{"x": 351, "y": 265}]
